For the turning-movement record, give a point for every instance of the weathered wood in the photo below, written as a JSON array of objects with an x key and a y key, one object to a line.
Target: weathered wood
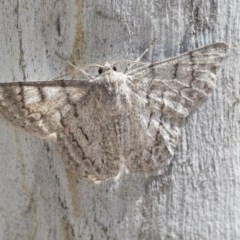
[{"x": 198, "y": 195}]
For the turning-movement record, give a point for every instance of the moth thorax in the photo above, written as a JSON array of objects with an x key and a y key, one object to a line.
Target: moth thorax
[{"x": 115, "y": 84}]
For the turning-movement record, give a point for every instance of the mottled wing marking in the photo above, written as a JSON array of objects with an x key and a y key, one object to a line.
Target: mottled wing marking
[
  {"x": 39, "y": 106},
  {"x": 131, "y": 120},
  {"x": 89, "y": 142},
  {"x": 173, "y": 89},
  {"x": 71, "y": 109}
]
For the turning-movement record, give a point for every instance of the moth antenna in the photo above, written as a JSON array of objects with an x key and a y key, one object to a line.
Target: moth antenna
[
  {"x": 129, "y": 61},
  {"x": 137, "y": 61},
  {"x": 73, "y": 65},
  {"x": 129, "y": 67},
  {"x": 85, "y": 66},
  {"x": 141, "y": 56},
  {"x": 78, "y": 69},
  {"x": 63, "y": 75}
]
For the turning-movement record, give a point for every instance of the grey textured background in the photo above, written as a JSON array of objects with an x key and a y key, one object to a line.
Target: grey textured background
[{"x": 198, "y": 195}]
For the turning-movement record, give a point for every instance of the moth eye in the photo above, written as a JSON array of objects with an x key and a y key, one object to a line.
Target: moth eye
[
  {"x": 100, "y": 70},
  {"x": 114, "y": 68}
]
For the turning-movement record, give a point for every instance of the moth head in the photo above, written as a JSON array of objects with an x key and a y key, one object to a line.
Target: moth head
[{"x": 107, "y": 67}]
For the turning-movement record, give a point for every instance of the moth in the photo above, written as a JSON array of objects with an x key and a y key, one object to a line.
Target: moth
[{"x": 116, "y": 120}]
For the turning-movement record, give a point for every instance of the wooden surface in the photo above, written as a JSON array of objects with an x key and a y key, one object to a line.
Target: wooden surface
[{"x": 197, "y": 197}]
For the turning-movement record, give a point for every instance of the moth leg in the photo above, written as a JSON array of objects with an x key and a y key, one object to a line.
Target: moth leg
[{"x": 131, "y": 65}]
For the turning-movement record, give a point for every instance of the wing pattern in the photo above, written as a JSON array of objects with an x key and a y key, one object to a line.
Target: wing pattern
[
  {"x": 117, "y": 120},
  {"x": 173, "y": 89}
]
